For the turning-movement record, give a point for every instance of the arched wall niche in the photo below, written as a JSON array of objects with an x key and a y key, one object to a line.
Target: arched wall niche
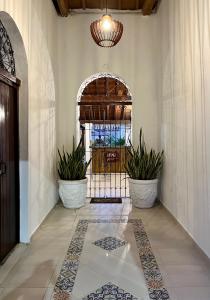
[
  {"x": 85, "y": 83},
  {"x": 21, "y": 68}
]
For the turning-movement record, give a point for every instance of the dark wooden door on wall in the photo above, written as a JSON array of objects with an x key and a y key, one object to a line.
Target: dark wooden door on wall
[{"x": 9, "y": 163}]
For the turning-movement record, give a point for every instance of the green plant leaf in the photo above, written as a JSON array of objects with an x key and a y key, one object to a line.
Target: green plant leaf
[
  {"x": 72, "y": 166},
  {"x": 143, "y": 164}
]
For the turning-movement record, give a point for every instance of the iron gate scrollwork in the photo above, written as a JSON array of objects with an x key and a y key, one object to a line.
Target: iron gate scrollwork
[{"x": 7, "y": 61}]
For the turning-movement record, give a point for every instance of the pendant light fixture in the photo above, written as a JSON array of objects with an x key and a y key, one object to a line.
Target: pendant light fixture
[{"x": 106, "y": 31}]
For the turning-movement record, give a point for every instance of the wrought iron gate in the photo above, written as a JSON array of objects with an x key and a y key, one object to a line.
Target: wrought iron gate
[{"x": 105, "y": 125}]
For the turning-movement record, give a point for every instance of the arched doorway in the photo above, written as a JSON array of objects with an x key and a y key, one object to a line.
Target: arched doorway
[
  {"x": 18, "y": 66},
  {"x": 104, "y": 110}
]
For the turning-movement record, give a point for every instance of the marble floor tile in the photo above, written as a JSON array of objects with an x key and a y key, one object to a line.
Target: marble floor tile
[
  {"x": 190, "y": 256},
  {"x": 22, "y": 293},
  {"x": 12, "y": 260},
  {"x": 96, "y": 280},
  {"x": 190, "y": 293},
  {"x": 32, "y": 270},
  {"x": 88, "y": 268},
  {"x": 187, "y": 276},
  {"x": 29, "y": 276},
  {"x": 98, "y": 269},
  {"x": 100, "y": 210},
  {"x": 48, "y": 293}
]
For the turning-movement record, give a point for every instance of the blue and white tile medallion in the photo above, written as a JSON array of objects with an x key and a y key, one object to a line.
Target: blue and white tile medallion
[
  {"x": 110, "y": 292},
  {"x": 110, "y": 243}
]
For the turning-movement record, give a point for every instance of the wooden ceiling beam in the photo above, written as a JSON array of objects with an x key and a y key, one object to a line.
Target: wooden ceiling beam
[
  {"x": 97, "y": 89},
  {"x": 83, "y": 4},
  {"x": 107, "y": 86},
  {"x": 119, "y": 4},
  {"x": 102, "y": 4},
  {"x": 105, "y": 101},
  {"x": 147, "y": 7},
  {"x": 62, "y": 7},
  {"x": 137, "y": 4}
]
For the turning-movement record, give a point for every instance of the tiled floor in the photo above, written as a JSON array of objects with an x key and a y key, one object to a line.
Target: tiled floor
[{"x": 31, "y": 271}]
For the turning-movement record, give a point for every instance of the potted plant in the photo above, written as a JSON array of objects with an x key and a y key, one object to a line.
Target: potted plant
[
  {"x": 143, "y": 168},
  {"x": 72, "y": 169}
]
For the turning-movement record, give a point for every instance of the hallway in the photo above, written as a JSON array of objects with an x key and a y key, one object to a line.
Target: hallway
[
  {"x": 108, "y": 100},
  {"x": 31, "y": 271}
]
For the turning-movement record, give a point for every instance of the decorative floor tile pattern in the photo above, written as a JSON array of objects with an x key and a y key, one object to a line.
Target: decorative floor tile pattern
[
  {"x": 110, "y": 243},
  {"x": 65, "y": 281},
  {"x": 110, "y": 292}
]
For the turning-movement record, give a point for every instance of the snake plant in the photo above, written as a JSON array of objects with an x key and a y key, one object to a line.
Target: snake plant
[
  {"x": 143, "y": 164},
  {"x": 72, "y": 166}
]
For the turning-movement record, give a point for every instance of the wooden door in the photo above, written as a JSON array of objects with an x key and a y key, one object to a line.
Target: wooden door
[{"x": 9, "y": 164}]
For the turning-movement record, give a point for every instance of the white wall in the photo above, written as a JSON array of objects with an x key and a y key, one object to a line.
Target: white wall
[
  {"x": 177, "y": 75},
  {"x": 185, "y": 100},
  {"x": 37, "y": 24},
  {"x": 133, "y": 59}
]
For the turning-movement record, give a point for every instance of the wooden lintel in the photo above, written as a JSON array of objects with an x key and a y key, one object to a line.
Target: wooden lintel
[
  {"x": 114, "y": 121},
  {"x": 88, "y": 103},
  {"x": 62, "y": 7},
  {"x": 148, "y": 7},
  {"x": 110, "y": 98}
]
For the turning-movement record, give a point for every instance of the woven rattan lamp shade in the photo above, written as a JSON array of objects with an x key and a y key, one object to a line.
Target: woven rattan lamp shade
[{"x": 106, "y": 32}]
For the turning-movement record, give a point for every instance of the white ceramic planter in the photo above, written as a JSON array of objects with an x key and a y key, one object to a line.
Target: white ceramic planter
[
  {"x": 73, "y": 193},
  {"x": 143, "y": 192}
]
